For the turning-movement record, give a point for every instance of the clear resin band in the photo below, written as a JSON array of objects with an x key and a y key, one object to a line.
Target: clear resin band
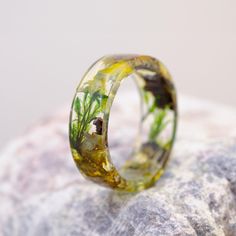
[{"x": 89, "y": 118}]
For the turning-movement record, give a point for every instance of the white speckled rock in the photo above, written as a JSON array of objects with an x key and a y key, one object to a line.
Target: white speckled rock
[{"x": 42, "y": 193}]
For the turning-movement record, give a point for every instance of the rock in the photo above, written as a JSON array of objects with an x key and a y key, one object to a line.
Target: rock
[{"x": 42, "y": 192}]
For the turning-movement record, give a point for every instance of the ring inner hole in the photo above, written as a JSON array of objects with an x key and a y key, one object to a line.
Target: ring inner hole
[
  {"x": 124, "y": 122},
  {"x": 143, "y": 131}
]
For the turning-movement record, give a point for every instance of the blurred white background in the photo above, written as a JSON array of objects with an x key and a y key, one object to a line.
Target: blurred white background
[{"x": 47, "y": 45}]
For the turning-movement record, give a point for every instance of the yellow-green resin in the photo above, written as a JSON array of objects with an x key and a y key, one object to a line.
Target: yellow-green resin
[{"x": 90, "y": 115}]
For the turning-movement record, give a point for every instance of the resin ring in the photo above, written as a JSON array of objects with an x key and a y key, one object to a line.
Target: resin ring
[{"x": 90, "y": 115}]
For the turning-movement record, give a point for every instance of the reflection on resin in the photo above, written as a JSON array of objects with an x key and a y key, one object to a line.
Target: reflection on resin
[{"x": 90, "y": 115}]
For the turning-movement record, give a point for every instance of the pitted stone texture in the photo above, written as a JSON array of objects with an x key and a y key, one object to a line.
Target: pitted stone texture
[{"x": 42, "y": 193}]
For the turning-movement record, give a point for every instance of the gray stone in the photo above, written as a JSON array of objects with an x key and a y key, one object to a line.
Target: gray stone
[{"x": 42, "y": 192}]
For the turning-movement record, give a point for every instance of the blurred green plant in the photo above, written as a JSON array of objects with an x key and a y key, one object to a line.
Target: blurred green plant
[{"x": 159, "y": 124}]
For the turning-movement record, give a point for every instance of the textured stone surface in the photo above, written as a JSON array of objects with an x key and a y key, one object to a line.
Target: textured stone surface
[{"x": 42, "y": 193}]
